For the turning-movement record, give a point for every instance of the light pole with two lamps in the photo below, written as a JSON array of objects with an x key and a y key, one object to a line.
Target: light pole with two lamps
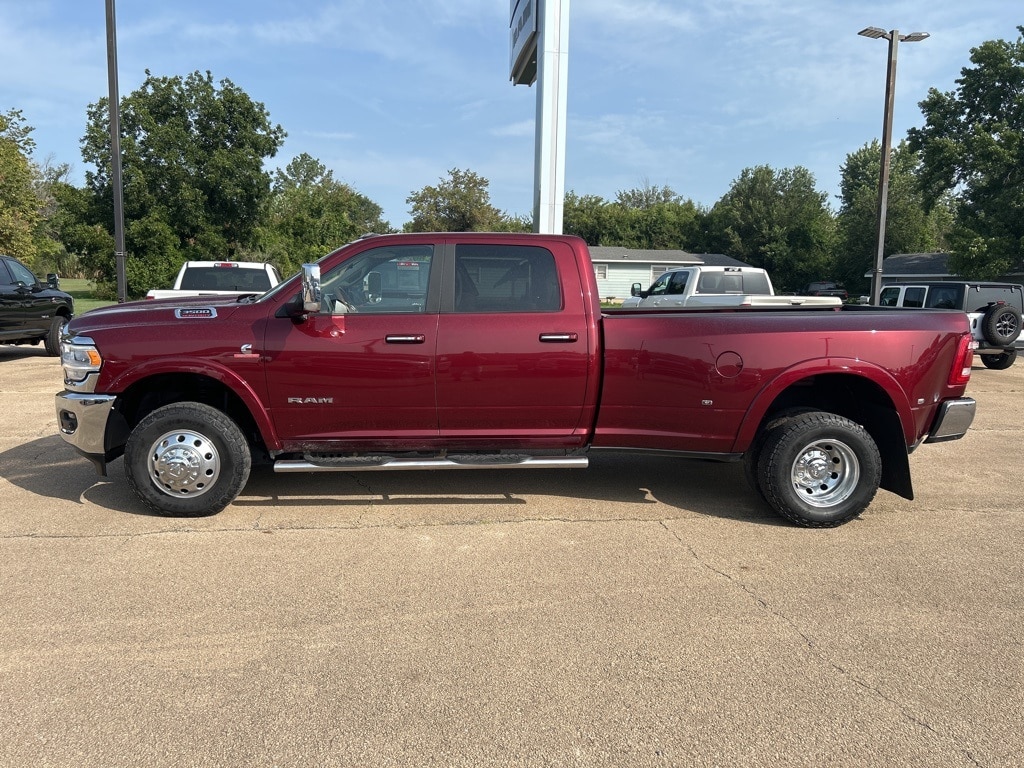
[{"x": 894, "y": 38}]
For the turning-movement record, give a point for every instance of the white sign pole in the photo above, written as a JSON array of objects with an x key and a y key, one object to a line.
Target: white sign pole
[{"x": 552, "y": 85}]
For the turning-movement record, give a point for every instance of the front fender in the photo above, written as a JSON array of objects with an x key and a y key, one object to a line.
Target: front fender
[{"x": 212, "y": 369}]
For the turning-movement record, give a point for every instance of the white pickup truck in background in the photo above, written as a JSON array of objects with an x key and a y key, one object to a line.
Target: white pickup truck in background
[
  {"x": 219, "y": 278},
  {"x": 703, "y": 286}
]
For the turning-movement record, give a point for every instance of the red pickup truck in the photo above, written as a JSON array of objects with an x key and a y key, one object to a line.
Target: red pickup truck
[{"x": 468, "y": 351}]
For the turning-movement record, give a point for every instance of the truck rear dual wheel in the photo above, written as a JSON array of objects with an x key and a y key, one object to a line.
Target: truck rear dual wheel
[
  {"x": 753, "y": 454},
  {"x": 187, "y": 460},
  {"x": 818, "y": 469}
]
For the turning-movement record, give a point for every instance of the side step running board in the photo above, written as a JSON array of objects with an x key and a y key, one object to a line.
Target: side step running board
[{"x": 382, "y": 463}]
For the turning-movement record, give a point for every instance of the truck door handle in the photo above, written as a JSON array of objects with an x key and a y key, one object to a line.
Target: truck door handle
[
  {"x": 559, "y": 338},
  {"x": 415, "y": 338}
]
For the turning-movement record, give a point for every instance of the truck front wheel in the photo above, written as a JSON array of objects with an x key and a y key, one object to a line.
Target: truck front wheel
[
  {"x": 819, "y": 469},
  {"x": 187, "y": 460}
]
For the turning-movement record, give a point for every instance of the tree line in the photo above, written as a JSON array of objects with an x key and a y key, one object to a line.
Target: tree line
[{"x": 194, "y": 154}]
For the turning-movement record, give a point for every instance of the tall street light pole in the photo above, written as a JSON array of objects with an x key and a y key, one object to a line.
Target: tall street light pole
[
  {"x": 895, "y": 38},
  {"x": 115, "y": 154}
]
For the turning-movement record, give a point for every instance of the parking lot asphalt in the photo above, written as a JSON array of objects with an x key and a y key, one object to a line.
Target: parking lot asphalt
[{"x": 642, "y": 612}]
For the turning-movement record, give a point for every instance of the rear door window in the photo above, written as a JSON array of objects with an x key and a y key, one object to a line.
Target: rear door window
[
  {"x": 505, "y": 278},
  {"x": 943, "y": 297},
  {"x": 914, "y": 297}
]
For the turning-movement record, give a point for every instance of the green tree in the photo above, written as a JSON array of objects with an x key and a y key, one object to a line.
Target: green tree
[
  {"x": 972, "y": 146},
  {"x": 460, "y": 203},
  {"x": 74, "y": 224},
  {"x": 779, "y": 221},
  {"x": 656, "y": 218},
  {"x": 909, "y": 227},
  {"x": 20, "y": 213},
  {"x": 587, "y": 216},
  {"x": 645, "y": 217},
  {"x": 311, "y": 214},
  {"x": 52, "y": 255},
  {"x": 194, "y": 184}
]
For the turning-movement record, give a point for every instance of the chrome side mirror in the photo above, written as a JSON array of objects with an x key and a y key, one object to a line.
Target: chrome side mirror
[{"x": 311, "y": 294}]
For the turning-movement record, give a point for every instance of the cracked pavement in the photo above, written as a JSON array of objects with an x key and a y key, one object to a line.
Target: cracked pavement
[{"x": 645, "y": 611}]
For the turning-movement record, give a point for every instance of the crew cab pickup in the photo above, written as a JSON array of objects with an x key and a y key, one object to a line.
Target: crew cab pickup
[
  {"x": 219, "y": 278},
  {"x": 32, "y": 311},
  {"x": 710, "y": 286},
  {"x": 474, "y": 350}
]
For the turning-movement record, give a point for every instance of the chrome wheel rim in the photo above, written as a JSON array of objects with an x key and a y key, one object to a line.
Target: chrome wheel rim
[
  {"x": 825, "y": 473},
  {"x": 1006, "y": 325},
  {"x": 184, "y": 463}
]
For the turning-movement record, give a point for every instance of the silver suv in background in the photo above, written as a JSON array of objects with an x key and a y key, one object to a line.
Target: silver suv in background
[{"x": 994, "y": 310}]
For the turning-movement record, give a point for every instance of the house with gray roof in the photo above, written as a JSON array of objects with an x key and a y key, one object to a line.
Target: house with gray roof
[
  {"x": 921, "y": 267},
  {"x": 618, "y": 268}
]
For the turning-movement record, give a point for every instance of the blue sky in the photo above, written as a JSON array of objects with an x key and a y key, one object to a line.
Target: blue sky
[{"x": 390, "y": 94}]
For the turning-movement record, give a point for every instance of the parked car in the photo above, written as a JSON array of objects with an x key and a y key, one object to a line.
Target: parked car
[
  {"x": 827, "y": 288},
  {"x": 31, "y": 311},
  {"x": 703, "y": 286},
  {"x": 219, "y": 278},
  {"x": 994, "y": 310}
]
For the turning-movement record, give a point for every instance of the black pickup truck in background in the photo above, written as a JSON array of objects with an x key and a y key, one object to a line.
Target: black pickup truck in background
[
  {"x": 31, "y": 311},
  {"x": 994, "y": 310}
]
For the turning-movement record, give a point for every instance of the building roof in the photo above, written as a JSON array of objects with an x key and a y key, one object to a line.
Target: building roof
[
  {"x": 927, "y": 266},
  {"x": 921, "y": 265},
  {"x": 615, "y": 254}
]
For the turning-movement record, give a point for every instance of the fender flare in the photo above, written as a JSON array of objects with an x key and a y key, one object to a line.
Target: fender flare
[
  {"x": 826, "y": 366},
  {"x": 211, "y": 369}
]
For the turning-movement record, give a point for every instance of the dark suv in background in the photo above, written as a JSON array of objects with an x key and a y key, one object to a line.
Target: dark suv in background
[
  {"x": 826, "y": 288},
  {"x": 31, "y": 311},
  {"x": 994, "y": 310}
]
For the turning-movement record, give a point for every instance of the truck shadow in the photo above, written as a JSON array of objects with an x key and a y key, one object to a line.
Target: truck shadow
[
  {"x": 633, "y": 486},
  {"x": 20, "y": 351}
]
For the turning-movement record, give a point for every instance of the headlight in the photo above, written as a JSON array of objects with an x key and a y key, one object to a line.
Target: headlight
[{"x": 80, "y": 360}]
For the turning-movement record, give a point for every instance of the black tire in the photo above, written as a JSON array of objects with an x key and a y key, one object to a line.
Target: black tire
[
  {"x": 52, "y": 341},
  {"x": 187, "y": 460},
  {"x": 753, "y": 454},
  {"x": 999, "y": 362},
  {"x": 819, "y": 470},
  {"x": 1001, "y": 325}
]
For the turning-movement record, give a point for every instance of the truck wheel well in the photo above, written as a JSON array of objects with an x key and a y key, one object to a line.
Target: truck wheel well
[
  {"x": 146, "y": 396},
  {"x": 863, "y": 402}
]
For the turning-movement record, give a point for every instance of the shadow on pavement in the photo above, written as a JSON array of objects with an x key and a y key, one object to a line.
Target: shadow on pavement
[
  {"x": 21, "y": 351},
  {"x": 50, "y": 468}
]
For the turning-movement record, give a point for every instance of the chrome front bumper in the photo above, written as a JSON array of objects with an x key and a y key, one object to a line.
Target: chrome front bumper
[{"x": 82, "y": 419}]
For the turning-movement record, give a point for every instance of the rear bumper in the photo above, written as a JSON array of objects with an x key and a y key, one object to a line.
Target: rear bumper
[{"x": 952, "y": 421}]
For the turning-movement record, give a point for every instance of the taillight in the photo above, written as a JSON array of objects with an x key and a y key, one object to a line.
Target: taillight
[{"x": 960, "y": 373}]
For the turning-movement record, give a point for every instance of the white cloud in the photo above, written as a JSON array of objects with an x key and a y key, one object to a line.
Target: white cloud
[
  {"x": 331, "y": 135},
  {"x": 623, "y": 15},
  {"x": 519, "y": 129}
]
